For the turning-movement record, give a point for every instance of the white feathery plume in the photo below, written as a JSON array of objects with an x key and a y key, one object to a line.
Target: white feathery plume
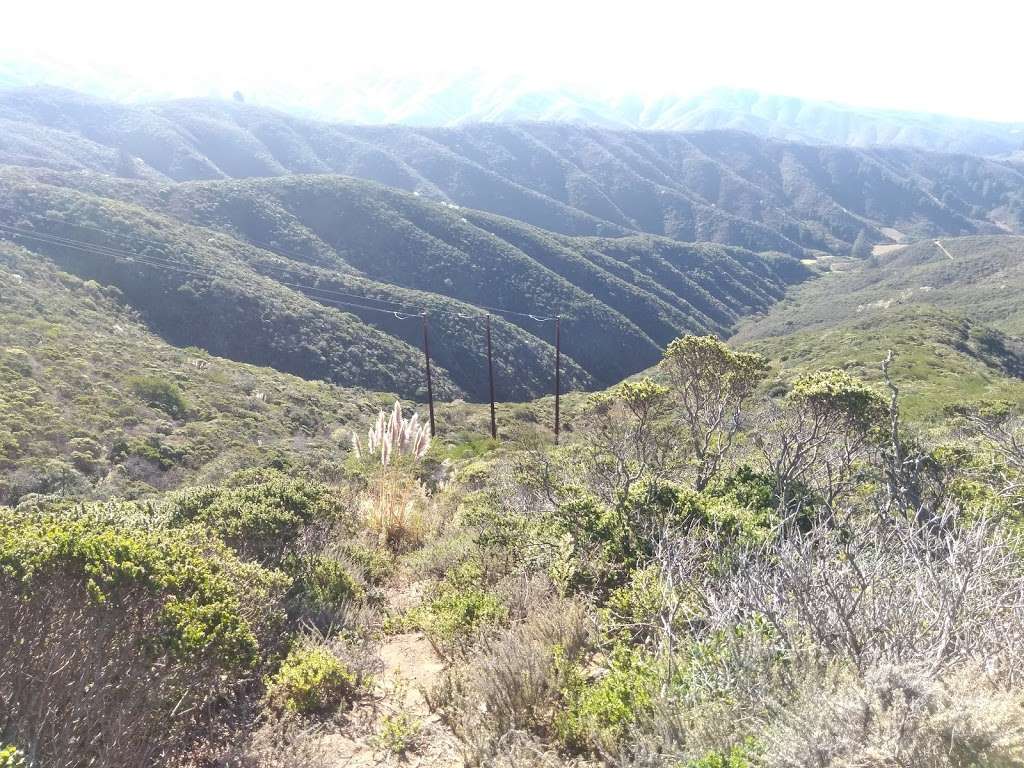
[{"x": 393, "y": 435}]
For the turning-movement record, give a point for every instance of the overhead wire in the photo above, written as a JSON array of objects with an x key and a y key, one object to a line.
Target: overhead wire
[
  {"x": 421, "y": 309},
  {"x": 263, "y": 267},
  {"x": 167, "y": 262},
  {"x": 176, "y": 267}
]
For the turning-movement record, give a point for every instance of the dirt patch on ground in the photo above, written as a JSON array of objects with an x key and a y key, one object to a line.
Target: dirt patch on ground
[
  {"x": 886, "y": 249},
  {"x": 410, "y": 670}
]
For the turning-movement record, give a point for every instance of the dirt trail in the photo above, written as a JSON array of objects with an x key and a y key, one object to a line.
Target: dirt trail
[{"x": 411, "y": 670}]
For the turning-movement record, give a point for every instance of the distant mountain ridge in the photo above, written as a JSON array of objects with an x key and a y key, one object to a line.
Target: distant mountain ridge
[
  {"x": 716, "y": 186},
  {"x": 457, "y": 100}
]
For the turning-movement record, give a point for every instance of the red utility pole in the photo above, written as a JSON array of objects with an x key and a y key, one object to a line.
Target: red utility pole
[
  {"x": 490, "y": 376},
  {"x": 430, "y": 385}
]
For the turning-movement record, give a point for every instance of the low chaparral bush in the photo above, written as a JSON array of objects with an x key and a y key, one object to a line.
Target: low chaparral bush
[
  {"x": 260, "y": 513},
  {"x": 110, "y": 622},
  {"x": 312, "y": 680}
]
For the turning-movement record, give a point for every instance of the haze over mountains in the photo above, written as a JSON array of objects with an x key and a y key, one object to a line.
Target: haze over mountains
[
  {"x": 456, "y": 100},
  {"x": 719, "y": 186}
]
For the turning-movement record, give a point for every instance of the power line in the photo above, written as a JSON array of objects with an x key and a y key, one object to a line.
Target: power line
[
  {"x": 178, "y": 266},
  {"x": 85, "y": 248},
  {"x": 125, "y": 254},
  {"x": 170, "y": 258}
]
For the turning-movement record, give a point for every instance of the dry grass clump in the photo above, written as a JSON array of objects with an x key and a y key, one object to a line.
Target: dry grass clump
[
  {"x": 898, "y": 716},
  {"x": 513, "y": 683},
  {"x": 397, "y": 507},
  {"x": 399, "y": 512},
  {"x": 281, "y": 742}
]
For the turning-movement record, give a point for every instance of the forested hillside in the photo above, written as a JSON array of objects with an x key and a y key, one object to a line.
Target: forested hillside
[
  {"x": 719, "y": 186},
  {"x": 323, "y": 276}
]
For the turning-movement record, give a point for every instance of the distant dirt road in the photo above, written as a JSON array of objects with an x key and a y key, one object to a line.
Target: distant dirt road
[{"x": 943, "y": 249}]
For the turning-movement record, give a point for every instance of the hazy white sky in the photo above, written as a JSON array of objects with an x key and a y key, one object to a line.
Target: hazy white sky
[{"x": 960, "y": 58}]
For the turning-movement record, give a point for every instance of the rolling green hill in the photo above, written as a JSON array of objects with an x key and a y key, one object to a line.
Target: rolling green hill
[
  {"x": 980, "y": 277},
  {"x": 720, "y": 186},
  {"x": 953, "y": 315},
  {"x": 291, "y": 272},
  {"x": 93, "y": 404}
]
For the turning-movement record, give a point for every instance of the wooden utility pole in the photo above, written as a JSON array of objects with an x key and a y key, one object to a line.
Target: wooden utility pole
[
  {"x": 558, "y": 372},
  {"x": 430, "y": 384},
  {"x": 490, "y": 376}
]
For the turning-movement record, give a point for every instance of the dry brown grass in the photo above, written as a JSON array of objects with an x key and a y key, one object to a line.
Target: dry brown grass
[
  {"x": 898, "y": 716},
  {"x": 512, "y": 684}
]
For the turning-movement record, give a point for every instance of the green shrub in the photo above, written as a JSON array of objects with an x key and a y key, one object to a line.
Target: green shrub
[
  {"x": 161, "y": 394},
  {"x": 374, "y": 564},
  {"x": 324, "y": 583},
  {"x": 460, "y": 608},
  {"x": 740, "y": 756},
  {"x": 199, "y": 582},
  {"x": 312, "y": 680},
  {"x": 455, "y": 616},
  {"x": 399, "y": 733},
  {"x": 600, "y": 714},
  {"x": 132, "y": 637},
  {"x": 260, "y": 513},
  {"x": 11, "y": 757},
  {"x": 632, "y": 612},
  {"x": 594, "y": 547},
  {"x": 152, "y": 449}
]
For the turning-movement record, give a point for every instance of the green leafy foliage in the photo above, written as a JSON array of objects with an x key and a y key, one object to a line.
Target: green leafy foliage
[
  {"x": 740, "y": 756},
  {"x": 459, "y": 609},
  {"x": 325, "y": 583},
  {"x": 160, "y": 393},
  {"x": 312, "y": 680},
  {"x": 11, "y": 757},
  {"x": 839, "y": 393},
  {"x": 201, "y": 587},
  {"x": 260, "y": 513},
  {"x": 600, "y": 714},
  {"x": 399, "y": 733},
  {"x": 632, "y": 611}
]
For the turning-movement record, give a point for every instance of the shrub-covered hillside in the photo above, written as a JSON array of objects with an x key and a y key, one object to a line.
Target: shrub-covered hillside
[
  {"x": 722, "y": 186},
  {"x": 954, "y": 311},
  {"x": 92, "y": 404},
  {"x": 980, "y": 277},
  {"x": 703, "y": 574},
  {"x": 322, "y": 276},
  {"x": 946, "y": 358}
]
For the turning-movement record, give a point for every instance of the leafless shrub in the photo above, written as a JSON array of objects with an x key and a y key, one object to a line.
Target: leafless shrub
[
  {"x": 1001, "y": 431},
  {"x": 900, "y": 717},
  {"x": 626, "y": 435},
  {"x": 920, "y": 631},
  {"x": 888, "y": 591},
  {"x": 520, "y": 749},
  {"x": 78, "y": 687},
  {"x": 280, "y": 742},
  {"x": 813, "y": 454},
  {"x": 916, "y": 484}
]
